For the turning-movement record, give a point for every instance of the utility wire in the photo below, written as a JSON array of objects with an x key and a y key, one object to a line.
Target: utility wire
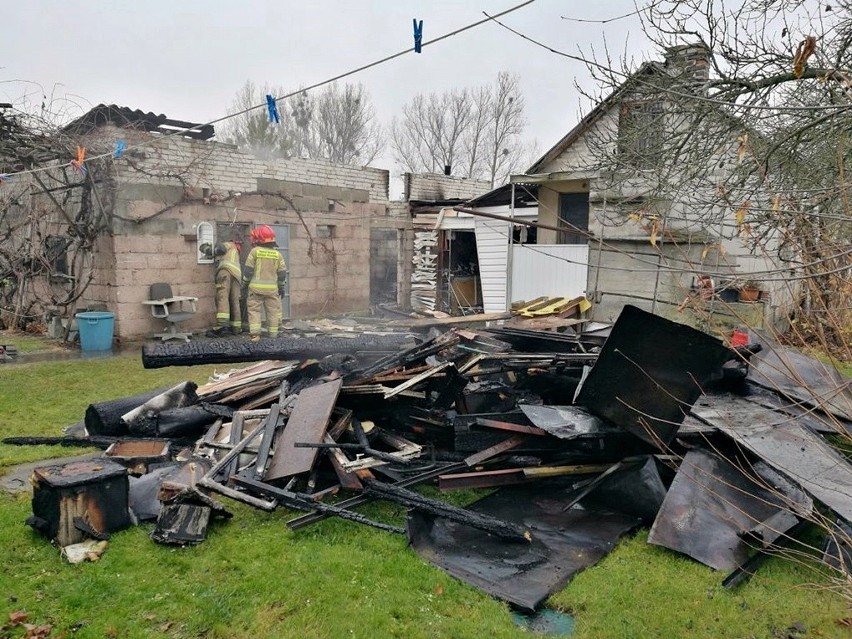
[{"x": 316, "y": 85}]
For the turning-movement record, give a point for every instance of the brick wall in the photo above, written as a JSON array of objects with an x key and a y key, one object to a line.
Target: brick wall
[
  {"x": 434, "y": 186},
  {"x": 327, "y": 275},
  {"x": 223, "y": 168}
]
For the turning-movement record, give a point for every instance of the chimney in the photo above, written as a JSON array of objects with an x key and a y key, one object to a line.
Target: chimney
[
  {"x": 448, "y": 169},
  {"x": 689, "y": 64}
]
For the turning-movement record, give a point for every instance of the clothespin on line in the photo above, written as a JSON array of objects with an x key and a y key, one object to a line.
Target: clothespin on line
[
  {"x": 272, "y": 107},
  {"x": 418, "y": 35},
  {"x": 79, "y": 162}
]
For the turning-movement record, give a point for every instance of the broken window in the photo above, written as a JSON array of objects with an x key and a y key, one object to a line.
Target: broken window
[
  {"x": 640, "y": 133},
  {"x": 56, "y": 253},
  {"x": 574, "y": 218}
]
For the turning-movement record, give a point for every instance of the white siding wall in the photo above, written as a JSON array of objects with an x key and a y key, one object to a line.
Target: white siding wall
[
  {"x": 492, "y": 247},
  {"x": 551, "y": 270}
]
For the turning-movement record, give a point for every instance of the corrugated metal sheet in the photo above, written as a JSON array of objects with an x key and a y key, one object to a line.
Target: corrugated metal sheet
[
  {"x": 550, "y": 270},
  {"x": 492, "y": 247}
]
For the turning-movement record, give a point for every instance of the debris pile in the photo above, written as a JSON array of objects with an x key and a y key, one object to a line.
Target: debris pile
[{"x": 586, "y": 435}]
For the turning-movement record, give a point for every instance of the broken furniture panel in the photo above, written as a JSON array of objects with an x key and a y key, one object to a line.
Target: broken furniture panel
[
  {"x": 649, "y": 372},
  {"x": 306, "y": 424},
  {"x": 137, "y": 454},
  {"x": 794, "y": 451},
  {"x": 564, "y": 543},
  {"x": 713, "y": 502},
  {"x": 185, "y": 515},
  {"x": 95, "y": 491}
]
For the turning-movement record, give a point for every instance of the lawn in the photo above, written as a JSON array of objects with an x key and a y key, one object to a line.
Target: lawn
[{"x": 254, "y": 578}]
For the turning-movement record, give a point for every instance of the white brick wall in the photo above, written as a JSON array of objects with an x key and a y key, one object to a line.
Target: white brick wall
[{"x": 223, "y": 167}]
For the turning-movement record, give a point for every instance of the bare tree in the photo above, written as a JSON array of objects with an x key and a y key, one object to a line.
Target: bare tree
[
  {"x": 337, "y": 124},
  {"x": 476, "y": 132},
  {"x": 345, "y": 126}
]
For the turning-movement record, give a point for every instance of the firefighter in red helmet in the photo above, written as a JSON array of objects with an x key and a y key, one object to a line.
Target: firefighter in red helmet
[{"x": 264, "y": 275}]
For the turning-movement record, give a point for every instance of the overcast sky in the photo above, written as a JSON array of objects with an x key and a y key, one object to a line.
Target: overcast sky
[{"x": 187, "y": 58}]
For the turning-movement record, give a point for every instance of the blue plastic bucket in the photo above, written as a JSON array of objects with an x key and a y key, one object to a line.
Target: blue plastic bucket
[{"x": 95, "y": 330}]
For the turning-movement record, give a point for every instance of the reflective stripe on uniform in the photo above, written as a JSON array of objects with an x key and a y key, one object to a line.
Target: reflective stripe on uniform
[
  {"x": 266, "y": 264},
  {"x": 231, "y": 260}
]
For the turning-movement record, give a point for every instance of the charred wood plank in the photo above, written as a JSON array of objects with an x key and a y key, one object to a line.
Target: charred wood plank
[
  {"x": 269, "y": 428},
  {"x": 299, "y": 501},
  {"x": 503, "y": 529},
  {"x": 307, "y": 423},
  {"x": 497, "y": 449},
  {"x": 282, "y": 348},
  {"x": 515, "y": 428},
  {"x": 482, "y": 479},
  {"x": 94, "y": 441},
  {"x": 209, "y": 482},
  {"x": 358, "y": 500}
]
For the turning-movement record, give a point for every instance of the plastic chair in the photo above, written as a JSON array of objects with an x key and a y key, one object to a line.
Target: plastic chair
[{"x": 170, "y": 308}]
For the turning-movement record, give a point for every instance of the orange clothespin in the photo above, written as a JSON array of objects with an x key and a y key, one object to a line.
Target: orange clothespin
[{"x": 79, "y": 162}]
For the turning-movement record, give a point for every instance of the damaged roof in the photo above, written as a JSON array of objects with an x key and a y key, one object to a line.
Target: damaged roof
[{"x": 125, "y": 117}]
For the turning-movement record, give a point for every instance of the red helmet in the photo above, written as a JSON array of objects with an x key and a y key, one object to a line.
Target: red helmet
[{"x": 263, "y": 234}]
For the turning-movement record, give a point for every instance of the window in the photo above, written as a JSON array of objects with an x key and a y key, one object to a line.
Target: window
[
  {"x": 640, "y": 133},
  {"x": 325, "y": 231},
  {"x": 204, "y": 240},
  {"x": 56, "y": 252},
  {"x": 574, "y": 218}
]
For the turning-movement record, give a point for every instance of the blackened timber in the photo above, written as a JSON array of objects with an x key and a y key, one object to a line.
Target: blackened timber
[
  {"x": 208, "y": 482},
  {"x": 409, "y": 357},
  {"x": 269, "y": 428},
  {"x": 515, "y": 428},
  {"x": 482, "y": 479},
  {"x": 358, "y": 500},
  {"x": 222, "y": 351},
  {"x": 497, "y": 449},
  {"x": 307, "y": 423},
  {"x": 298, "y": 501},
  {"x": 491, "y": 525},
  {"x": 337, "y": 459}
]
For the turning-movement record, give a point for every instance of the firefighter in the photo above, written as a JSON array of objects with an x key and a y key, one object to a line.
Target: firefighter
[
  {"x": 228, "y": 287},
  {"x": 264, "y": 275}
]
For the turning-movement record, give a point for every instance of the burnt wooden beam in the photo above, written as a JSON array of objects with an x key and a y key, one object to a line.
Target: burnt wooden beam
[
  {"x": 307, "y": 423},
  {"x": 493, "y": 451},
  {"x": 269, "y": 428},
  {"x": 209, "y": 482},
  {"x": 492, "y": 525},
  {"x": 298, "y": 501},
  {"x": 226, "y": 351},
  {"x": 359, "y": 500}
]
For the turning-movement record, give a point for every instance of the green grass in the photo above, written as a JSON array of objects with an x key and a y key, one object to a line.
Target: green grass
[
  {"x": 26, "y": 343},
  {"x": 252, "y": 578}
]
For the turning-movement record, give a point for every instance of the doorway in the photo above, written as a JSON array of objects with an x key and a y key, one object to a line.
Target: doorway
[{"x": 282, "y": 239}]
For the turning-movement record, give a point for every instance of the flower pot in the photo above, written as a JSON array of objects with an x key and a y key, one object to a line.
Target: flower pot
[{"x": 749, "y": 294}]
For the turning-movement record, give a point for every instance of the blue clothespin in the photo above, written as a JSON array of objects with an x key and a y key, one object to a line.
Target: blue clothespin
[
  {"x": 272, "y": 107},
  {"x": 418, "y": 35},
  {"x": 120, "y": 145}
]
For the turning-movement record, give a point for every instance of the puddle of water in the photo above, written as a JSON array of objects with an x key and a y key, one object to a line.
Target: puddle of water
[{"x": 546, "y": 622}]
